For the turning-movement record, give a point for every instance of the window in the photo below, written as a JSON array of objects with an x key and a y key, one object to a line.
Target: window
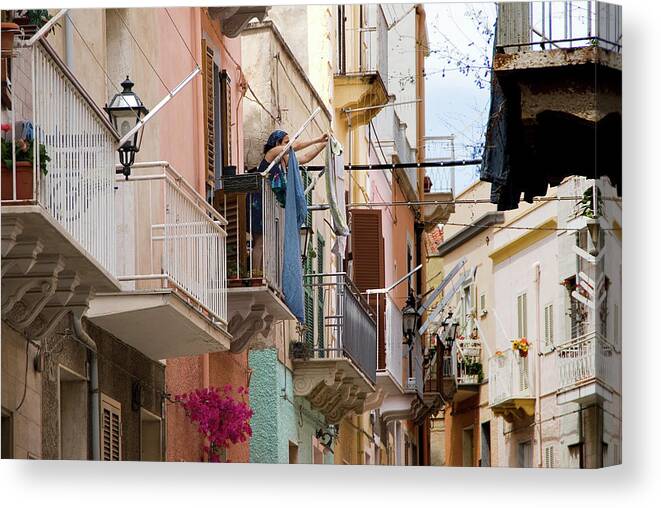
[
  {"x": 111, "y": 429},
  {"x": 525, "y": 454},
  {"x": 150, "y": 436},
  {"x": 293, "y": 453},
  {"x": 548, "y": 326},
  {"x": 72, "y": 415},
  {"x": 208, "y": 89},
  {"x": 485, "y": 445},
  {"x": 616, "y": 325},
  {"x": 467, "y": 447},
  {"x": 522, "y": 315},
  {"x": 483, "y": 304},
  {"x": 549, "y": 457},
  {"x": 7, "y": 435},
  {"x": 576, "y": 458}
]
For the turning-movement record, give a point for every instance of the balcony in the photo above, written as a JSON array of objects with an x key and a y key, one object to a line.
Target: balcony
[
  {"x": 440, "y": 182},
  {"x": 511, "y": 391},
  {"x": 335, "y": 366},
  {"x": 58, "y": 215},
  {"x": 255, "y": 236},
  {"x": 462, "y": 369},
  {"x": 173, "y": 301},
  {"x": 361, "y": 72},
  {"x": 546, "y": 58},
  {"x": 588, "y": 370}
]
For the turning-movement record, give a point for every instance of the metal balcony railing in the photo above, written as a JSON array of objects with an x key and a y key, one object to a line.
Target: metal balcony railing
[
  {"x": 77, "y": 186},
  {"x": 538, "y": 26},
  {"x": 349, "y": 328},
  {"x": 439, "y": 149},
  {"x": 588, "y": 358},
  {"x": 510, "y": 377},
  {"x": 170, "y": 237},
  {"x": 362, "y": 45},
  {"x": 394, "y": 351},
  {"x": 255, "y": 230}
]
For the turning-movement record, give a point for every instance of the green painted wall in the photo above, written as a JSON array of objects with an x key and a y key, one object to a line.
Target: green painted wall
[{"x": 279, "y": 417}]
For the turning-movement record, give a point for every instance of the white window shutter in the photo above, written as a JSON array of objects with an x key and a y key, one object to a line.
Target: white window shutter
[
  {"x": 548, "y": 326},
  {"x": 522, "y": 317},
  {"x": 111, "y": 429},
  {"x": 549, "y": 459}
]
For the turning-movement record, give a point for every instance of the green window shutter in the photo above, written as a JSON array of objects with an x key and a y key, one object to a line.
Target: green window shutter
[{"x": 320, "y": 292}]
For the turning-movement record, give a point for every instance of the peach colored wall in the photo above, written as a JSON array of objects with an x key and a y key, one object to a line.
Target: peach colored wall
[
  {"x": 182, "y": 143},
  {"x": 463, "y": 415},
  {"x": 181, "y": 120},
  {"x": 230, "y": 368}
]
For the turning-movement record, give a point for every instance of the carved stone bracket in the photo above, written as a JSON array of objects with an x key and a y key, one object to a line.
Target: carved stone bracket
[{"x": 251, "y": 330}]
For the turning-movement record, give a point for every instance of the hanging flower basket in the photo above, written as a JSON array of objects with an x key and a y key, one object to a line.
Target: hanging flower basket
[{"x": 522, "y": 346}]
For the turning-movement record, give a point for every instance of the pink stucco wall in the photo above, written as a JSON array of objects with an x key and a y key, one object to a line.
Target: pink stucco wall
[{"x": 181, "y": 134}]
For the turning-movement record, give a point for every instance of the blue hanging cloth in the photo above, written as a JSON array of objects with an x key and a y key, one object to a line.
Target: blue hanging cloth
[{"x": 296, "y": 211}]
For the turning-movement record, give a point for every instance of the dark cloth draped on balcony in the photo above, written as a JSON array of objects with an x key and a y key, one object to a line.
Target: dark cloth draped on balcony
[
  {"x": 296, "y": 211},
  {"x": 334, "y": 177},
  {"x": 254, "y": 210}
]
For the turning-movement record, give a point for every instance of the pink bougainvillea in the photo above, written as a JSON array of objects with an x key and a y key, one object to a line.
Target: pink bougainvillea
[{"x": 220, "y": 417}]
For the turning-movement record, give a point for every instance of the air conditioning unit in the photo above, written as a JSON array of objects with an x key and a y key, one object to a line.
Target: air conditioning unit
[{"x": 411, "y": 384}]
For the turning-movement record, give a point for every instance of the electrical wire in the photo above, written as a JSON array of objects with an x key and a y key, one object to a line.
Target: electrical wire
[
  {"x": 167, "y": 11},
  {"x": 25, "y": 383},
  {"x": 121, "y": 18}
]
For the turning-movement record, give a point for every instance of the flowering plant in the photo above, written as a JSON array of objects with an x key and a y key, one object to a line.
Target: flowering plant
[
  {"x": 522, "y": 345},
  {"x": 220, "y": 418},
  {"x": 499, "y": 353}
]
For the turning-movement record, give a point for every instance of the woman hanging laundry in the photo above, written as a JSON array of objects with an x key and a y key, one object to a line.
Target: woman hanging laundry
[{"x": 278, "y": 181}]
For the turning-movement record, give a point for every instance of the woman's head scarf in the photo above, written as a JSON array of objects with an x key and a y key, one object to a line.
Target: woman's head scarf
[{"x": 274, "y": 140}]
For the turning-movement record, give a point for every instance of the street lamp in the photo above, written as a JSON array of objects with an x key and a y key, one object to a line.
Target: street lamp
[
  {"x": 451, "y": 326},
  {"x": 305, "y": 232},
  {"x": 125, "y": 111},
  {"x": 409, "y": 320}
]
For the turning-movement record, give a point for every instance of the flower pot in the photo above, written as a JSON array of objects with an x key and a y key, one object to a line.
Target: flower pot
[
  {"x": 24, "y": 181},
  {"x": 523, "y": 354},
  {"x": 9, "y": 30}
]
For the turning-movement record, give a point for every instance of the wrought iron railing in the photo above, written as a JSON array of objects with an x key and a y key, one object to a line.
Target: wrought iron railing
[
  {"x": 349, "y": 328},
  {"x": 510, "y": 377},
  {"x": 585, "y": 359},
  {"x": 76, "y": 186},
  {"x": 538, "y": 26},
  {"x": 170, "y": 237},
  {"x": 255, "y": 230}
]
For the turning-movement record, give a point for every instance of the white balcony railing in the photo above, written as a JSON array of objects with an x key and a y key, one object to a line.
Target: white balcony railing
[
  {"x": 171, "y": 238},
  {"x": 394, "y": 339},
  {"x": 535, "y": 26},
  {"x": 77, "y": 189},
  {"x": 510, "y": 377},
  {"x": 362, "y": 47},
  {"x": 585, "y": 359},
  {"x": 439, "y": 149}
]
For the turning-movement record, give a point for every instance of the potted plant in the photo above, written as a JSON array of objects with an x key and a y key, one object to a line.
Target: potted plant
[
  {"x": 522, "y": 346},
  {"x": 9, "y": 30},
  {"x": 473, "y": 370},
  {"x": 31, "y": 20},
  {"x": 24, "y": 156}
]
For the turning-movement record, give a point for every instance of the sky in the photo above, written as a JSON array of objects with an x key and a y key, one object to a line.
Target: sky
[{"x": 454, "y": 102}]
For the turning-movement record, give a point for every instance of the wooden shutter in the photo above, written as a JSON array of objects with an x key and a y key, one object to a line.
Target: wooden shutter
[
  {"x": 548, "y": 326},
  {"x": 111, "y": 429},
  {"x": 209, "y": 100},
  {"x": 320, "y": 292},
  {"x": 367, "y": 250},
  {"x": 226, "y": 113}
]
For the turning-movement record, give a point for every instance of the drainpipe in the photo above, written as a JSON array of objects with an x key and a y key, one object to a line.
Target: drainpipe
[
  {"x": 95, "y": 407},
  {"x": 68, "y": 42},
  {"x": 538, "y": 363}
]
